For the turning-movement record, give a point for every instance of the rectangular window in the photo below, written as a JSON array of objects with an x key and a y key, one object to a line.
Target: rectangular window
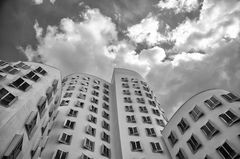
[
  {"x": 2, "y": 63},
  {"x": 136, "y": 146},
  {"x": 229, "y": 117},
  {"x": 95, "y": 87},
  {"x": 30, "y": 124},
  {"x": 147, "y": 119},
  {"x": 93, "y": 109},
  {"x": 212, "y": 102},
  {"x": 105, "y": 137},
  {"x": 105, "y": 125},
  {"x": 156, "y": 112},
  {"x": 105, "y": 91},
  {"x": 133, "y": 131},
  {"x": 64, "y": 103},
  {"x": 65, "y": 138},
  {"x": 127, "y": 100},
  {"x": 79, "y": 104},
  {"x": 96, "y": 81},
  {"x": 151, "y": 132},
  {"x": 156, "y": 147},
  {"x": 124, "y": 79},
  {"x": 105, "y": 151},
  {"x": 94, "y": 100},
  {"x": 90, "y": 130},
  {"x": 181, "y": 154},
  {"x": 140, "y": 100},
  {"x": 95, "y": 93},
  {"x": 22, "y": 65},
  {"x": 129, "y": 109},
  {"x": 32, "y": 76},
  {"x": 149, "y": 95},
  {"x": 125, "y": 85},
  {"x": 196, "y": 113},
  {"x": 209, "y": 130},
  {"x": 49, "y": 93},
  {"x": 41, "y": 106},
  {"x": 82, "y": 96},
  {"x": 138, "y": 93},
  {"x": 72, "y": 113},
  {"x": 126, "y": 92},
  {"x": 172, "y": 138},
  {"x": 152, "y": 103},
  {"x": 67, "y": 95},
  {"x": 106, "y": 86},
  {"x": 105, "y": 115},
  {"x": 54, "y": 85},
  {"x": 88, "y": 144},
  {"x": 20, "y": 84},
  {"x": 143, "y": 109},
  {"x": 105, "y": 98},
  {"x": 226, "y": 151},
  {"x": 14, "y": 148},
  {"x": 83, "y": 89},
  {"x": 10, "y": 70},
  {"x": 146, "y": 88},
  {"x": 131, "y": 119},
  {"x": 92, "y": 119},
  {"x": 83, "y": 156},
  {"x": 59, "y": 154},
  {"x": 160, "y": 122},
  {"x": 194, "y": 144},
  {"x": 86, "y": 78},
  {"x": 230, "y": 97},
  {"x": 41, "y": 71},
  {"x": 69, "y": 124},
  {"x": 6, "y": 98},
  {"x": 105, "y": 106},
  {"x": 144, "y": 83},
  {"x": 183, "y": 125}
]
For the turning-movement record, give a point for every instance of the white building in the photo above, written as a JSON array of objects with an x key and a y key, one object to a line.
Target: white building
[
  {"x": 29, "y": 96},
  {"x": 98, "y": 119},
  {"x": 205, "y": 127}
]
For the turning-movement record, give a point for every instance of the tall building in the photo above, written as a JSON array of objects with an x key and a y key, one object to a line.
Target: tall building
[
  {"x": 29, "y": 96},
  {"x": 98, "y": 119},
  {"x": 205, "y": 127}
]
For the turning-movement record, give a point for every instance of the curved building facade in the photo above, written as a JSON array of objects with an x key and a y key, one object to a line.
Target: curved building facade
[
  {"x": 98, "y": 119},
  {"x": 29, "y": 97},
  {"x": 205, "y": 127}
]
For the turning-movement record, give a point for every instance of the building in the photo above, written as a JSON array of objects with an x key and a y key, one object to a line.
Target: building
[
  {"x": 97, "y": 119},
  {"x": 29, "y": 96},
  {"x": 205, "y": 127}
]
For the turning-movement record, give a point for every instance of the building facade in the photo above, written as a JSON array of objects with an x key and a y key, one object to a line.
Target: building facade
[
  {"x": 98, "y": 119},
  {"x": 29, "y": 96},
  {"x": 205, "y": 127}
]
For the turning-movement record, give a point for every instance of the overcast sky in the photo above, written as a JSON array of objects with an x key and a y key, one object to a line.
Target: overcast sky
[{"x": 181, "y": 47}]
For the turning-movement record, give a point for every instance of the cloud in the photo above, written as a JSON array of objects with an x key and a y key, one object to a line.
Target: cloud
[{"x": 37, "y": 2}]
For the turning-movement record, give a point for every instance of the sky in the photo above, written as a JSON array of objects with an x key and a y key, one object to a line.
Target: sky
[{"x": 181, "y": 47}]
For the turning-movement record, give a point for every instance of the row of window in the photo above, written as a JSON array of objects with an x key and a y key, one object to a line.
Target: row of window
[
  {"x": 136, "y": 86},
  {"x": 142, "y": 109},
  {"x": 96, "y": 83},
  {"x": 139, "y": 100},
  {"x": 145, "y": 119},
  {"x": 133, "y": 80}
]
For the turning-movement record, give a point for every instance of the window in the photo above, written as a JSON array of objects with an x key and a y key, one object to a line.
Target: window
[
  {"x": 134, "y": 80},
  {"x": 106, "y": 92},
  {"x": 181, "y": 154},
  {"x": 22, "y": 65},
  {"x": 143, "y": 83},
  {"x": 96, "y": 81},
  {"x": 226, "y": 151},
  {"x": 212, "y": 102},
  {"x": 105, "y": 115},
  {"x": 172, "y": 138},
  {"x": 160, "y": 122},
  {"x": 183, "y": 125},
  {"x": 93, "y": 109},
  {"x": 95, "y": 87},
  {"x": 2, "y": 63},
  {"x": 146, "y": 88},
  {"x": 64, "y": 103},
  {"x": 30, "y": 124},
  {"x": 105, "y": 137},
  {"x": 72, "y": 113},
  {"x": 136, "y": 146},
  {"x": 70, "y": 88},
  {"x": 152, "y": 103},
  {"x": 140, "y": 100},
  {"x": 69, "y": 124},
  {"x": 10, "y": 70},
  {"x": 124, "y": 79},
  {"x": 156, "y": 147},
  {"x": 7, "y": 98},
  {"x": 32, "y": 76},
  {"x": 127, "y": 100},
  {"x": 94, "y": 100},
  {"x": 44, "y": 126},
  {"x": 95, "y": 93},
  {"x": 106, "y": 86},
  {"x": 14, "y": 148},
  {"x": 196, "y": 113},
  {"x": 105, "y": 106},
  {"x": 84, "y": 83},
  {"x": 54, "y": 85},
  {"x": 133, "y": 131},
  {"x": 20, "y": 84},
  {"x": 88, "y": 144},
  {"x": 138, "y": 93},
  {"x": 126, "y": 92},
  {"x": 131, "y": 119},
  {"x": 41, "y": 71},
  {"x": 147, "y": 119},
  {"x": 105, "y": 98},
  {"x": 83, "y": 89},
  {"x": 67, "y": 95},
  {"x": 105, "y": 151},
  {"x": 129, "y": 109},
  {"x": 79, "y": 104},
  {"x": 125, "y": 85},
  {"x": 49, "y": 94},
  {"x": 86, "y": 78},
  {"x": 92, "y": 119},
  {"x": 229, "y": 117},
  {"x": 156, "y": 112},
  {"x": 41, "y": 106},
  {"x": 149, "y": 95},
  {"x": 230, "y": 97},
  {"x": 143, "y": 109},
  {"x": 150, "y": 132},
  {"x": 83, "y": 156},
  {"x": 194, "y": 144},
  {"x": 82, "y": 96},
  {"x": 65, "y": 138},
  {"x": 105, "y": 125},
  {"x": 90, "y": 130},
  {"x": 209, "y": 129}
]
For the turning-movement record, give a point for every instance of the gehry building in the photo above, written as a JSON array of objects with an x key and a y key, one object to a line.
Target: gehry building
[{"x": 205, "y": 127}]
